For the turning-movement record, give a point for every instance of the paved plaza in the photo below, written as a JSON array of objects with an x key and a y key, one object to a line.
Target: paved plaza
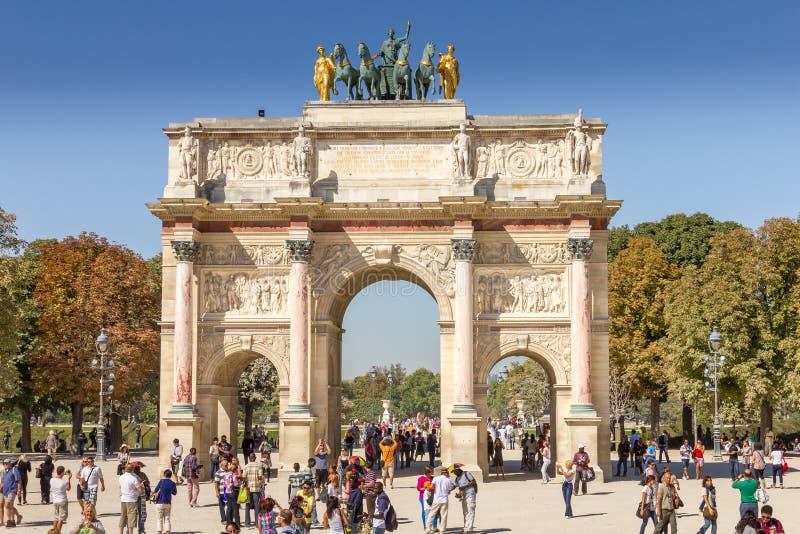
[{"x": 518, "y": 504}]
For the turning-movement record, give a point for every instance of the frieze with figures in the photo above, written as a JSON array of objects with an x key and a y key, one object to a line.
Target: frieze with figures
[
  {"x": 531, "y": 253},
  {"x": 540, "y": 293},
  {"x": 245, "y": 293},
  {"x": 243, "y": 255}
]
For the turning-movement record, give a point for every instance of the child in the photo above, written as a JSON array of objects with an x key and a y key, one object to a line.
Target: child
[{"x": 267, "y": 517}]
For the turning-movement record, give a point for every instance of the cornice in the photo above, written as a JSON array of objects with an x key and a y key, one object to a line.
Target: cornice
[{"x": 447, "y": 209}]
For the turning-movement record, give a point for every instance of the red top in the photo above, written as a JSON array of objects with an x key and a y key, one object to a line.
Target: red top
[{"x": 698, "y": 453}]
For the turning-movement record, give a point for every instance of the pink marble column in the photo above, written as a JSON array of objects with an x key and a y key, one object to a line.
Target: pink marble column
[
  {"x": 185, "y": 253},
  {"x": 581, "y": 327},
  {"x": 300, "y": 251},
  {"x": 464, "y": 253}
]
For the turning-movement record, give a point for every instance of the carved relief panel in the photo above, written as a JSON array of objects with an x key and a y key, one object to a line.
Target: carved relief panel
[
  {"x": 245, "y": 293},
  {"x": 540, "y": 292},
  {"x": 531, "y": 253},
  {"x": 243, "y": 255}
]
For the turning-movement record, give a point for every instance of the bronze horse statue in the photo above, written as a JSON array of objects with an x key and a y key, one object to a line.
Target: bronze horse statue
[
  {"x": 402, "y": 73},
  {"x": 368, "y": 73},
  {"x": 424, "y": 77},
  {"x": 345, "y": 72}
]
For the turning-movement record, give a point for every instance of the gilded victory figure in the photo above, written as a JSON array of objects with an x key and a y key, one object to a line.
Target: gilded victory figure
[
  {"x": 324, "y": 74},
  {"x": 448, "y": 73}
]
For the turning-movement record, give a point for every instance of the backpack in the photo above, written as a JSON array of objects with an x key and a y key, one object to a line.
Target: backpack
[
  {"x": 390, "y": 517},
  {"x": 662, "y": 439}
]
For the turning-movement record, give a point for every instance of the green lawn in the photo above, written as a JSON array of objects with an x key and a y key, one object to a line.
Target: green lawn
[{"x": 149, "y": 434}]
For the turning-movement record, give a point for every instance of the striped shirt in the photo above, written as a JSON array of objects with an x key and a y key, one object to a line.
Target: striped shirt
[
  {"x": 254, "y": 474},
  {"x": 370, "y": 476}
]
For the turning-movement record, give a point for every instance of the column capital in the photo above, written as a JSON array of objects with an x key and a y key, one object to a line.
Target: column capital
[
  {"x": 580, "y": 248},
  {"x": 185, "y": 250},
  {"x": 300, "y": 249},
  {"x": 464, "y": 249}
]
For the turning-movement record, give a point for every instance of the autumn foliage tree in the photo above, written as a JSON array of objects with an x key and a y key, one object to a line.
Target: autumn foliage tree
[
  {"x": 86, "y": 283},
  {"x": 637, "y": 281}
]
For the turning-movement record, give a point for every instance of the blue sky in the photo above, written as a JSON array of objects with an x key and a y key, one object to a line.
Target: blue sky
[{"x": 700, "y": 97}]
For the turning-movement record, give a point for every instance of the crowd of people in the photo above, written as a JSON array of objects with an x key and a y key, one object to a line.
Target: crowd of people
[{"x": 341, "y": 492}]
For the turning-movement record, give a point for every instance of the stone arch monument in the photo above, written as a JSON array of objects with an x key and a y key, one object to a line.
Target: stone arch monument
[{"x": 265, "y": 246}]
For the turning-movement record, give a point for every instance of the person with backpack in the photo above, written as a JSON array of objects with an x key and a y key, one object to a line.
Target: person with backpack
[
  {"x": 384, "y": 519},
  {"x": 759, "y": 463},
  {"x": 468, "y": 487},
  {"x": 638, "y": 457},
  {"x": 663, "y": 446}
]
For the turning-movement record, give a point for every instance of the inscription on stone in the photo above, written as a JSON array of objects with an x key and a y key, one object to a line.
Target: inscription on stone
[{"x": 387, "y": 160}]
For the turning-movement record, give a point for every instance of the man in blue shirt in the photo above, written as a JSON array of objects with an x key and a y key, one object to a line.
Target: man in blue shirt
[
  {"x": 165, "y": 489},
  {"x": 11, "y": 486},
  {"x": 650, "y": 453}
]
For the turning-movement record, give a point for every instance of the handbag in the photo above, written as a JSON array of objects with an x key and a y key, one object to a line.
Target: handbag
[
  {"x": 710, "y": 513},
  {"x": 785, "y": 466},
  {"x": 676, "y": 499},
  {"x": 588, "y": 474},
  {"x": 38, "y": 472},
  {"x": 640, "y": 511},
  {"x": 762, "y": 496},
  {"x": 243, "y": 495}
]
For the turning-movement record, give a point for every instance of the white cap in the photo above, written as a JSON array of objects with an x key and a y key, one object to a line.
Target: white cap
[{"x": 581, "y": 445}]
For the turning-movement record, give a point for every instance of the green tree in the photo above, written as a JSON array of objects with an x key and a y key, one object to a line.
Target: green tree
[
  {"x": 258, "y": 384},
  {"x": 638, "y": 351},
  {"x": 418, "y": 392},
  {"x": 525, "y": 381},
  {"x": 685, "y": 239}
]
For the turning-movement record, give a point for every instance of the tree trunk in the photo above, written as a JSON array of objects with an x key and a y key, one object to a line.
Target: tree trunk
[
  {"x": 77, "y": 422},
  {"x": 655, "y": 416},
  {"x": 248, "y": 415},
  {"x": 686, "y": 422},
  {"x": 25, "y": 411},
  {"x": 766, "y": 417},
  {"x": 116, "y": 430},
  {"x": 621, "y": 426}
]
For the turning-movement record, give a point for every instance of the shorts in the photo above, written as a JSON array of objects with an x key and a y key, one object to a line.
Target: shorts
[
  {"x": 685, "y": 463},
  {"x": 699, "y": 461},
  {"x": 129, "y": 515},
  {"x": 387, "y": 470},
  {"x": 61, "y": 513},
  {"x": 8, "y": 497},
  {"x": 90, "y": 494}
]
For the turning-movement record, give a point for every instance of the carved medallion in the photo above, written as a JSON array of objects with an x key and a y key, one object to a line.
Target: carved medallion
[
  {"x": 249, "y": 161},
  {"x": 520, "y": 163}
]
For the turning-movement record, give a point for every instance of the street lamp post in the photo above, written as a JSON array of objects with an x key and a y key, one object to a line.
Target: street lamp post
[
  {"x": 390, "y": 378},
  {"x": 372, "y": 374},
  {"x": 713, "y": 367},
  {"x": 504, "y": 405},
  {"x": 102, "y": 346}
]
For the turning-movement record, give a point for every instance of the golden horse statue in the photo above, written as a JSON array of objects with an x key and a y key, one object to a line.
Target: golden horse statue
[{"x": 448, "y": 73}]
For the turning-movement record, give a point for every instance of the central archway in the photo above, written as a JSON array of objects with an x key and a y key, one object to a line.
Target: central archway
[{"x": 334, "y": 286}]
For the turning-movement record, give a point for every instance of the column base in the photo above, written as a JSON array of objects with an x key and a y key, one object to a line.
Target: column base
[
  {"x": 186, "y": 428},
  {"x": 582, "y": 410},
  {"x": 299, "y": 440},
  {"x": 182, "y": 409},
  {"x": 298, "y": 410},
  {"x": 465, "y": 433},
  {"x": 464, "y": 410},
  {"x": 584, "y": 430}
]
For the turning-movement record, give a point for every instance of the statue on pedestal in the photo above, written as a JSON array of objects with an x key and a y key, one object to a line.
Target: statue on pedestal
[
  {"x": 302, "y": 149},
  {"x": 323, "y": 74},
  {"x": 448, "y": 73},
  {"x": 424, "y": 78},
  {"x": 187, "y": 156},
  {"x": 578, "y": 145},
  {"x": 462, "y": 149}
]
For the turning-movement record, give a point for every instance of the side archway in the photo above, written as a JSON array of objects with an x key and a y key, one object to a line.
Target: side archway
[{"x": 551, "y": 352}]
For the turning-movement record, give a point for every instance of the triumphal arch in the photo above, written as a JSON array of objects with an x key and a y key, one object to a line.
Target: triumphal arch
[{"x": 270, "y": 226}]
